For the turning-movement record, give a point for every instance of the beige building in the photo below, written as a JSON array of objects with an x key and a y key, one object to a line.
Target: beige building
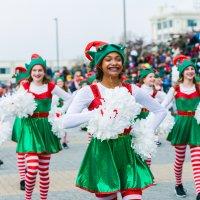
[
  {"x": 172, "y": 21},
  {"x": 7, "y": 68}
]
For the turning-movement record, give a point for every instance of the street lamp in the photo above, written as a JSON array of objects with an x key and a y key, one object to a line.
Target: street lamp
[
  {"x": 57, "y": 42},
  {"x": 124, "y": 17}
]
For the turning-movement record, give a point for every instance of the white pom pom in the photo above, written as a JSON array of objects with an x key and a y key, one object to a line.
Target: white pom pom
[
  {"x": 197, "y": 114},
  {"x": 114, "y": 115},
  {"x": 166, "y": 125},
  {"x": 175, "y": 74},
  {"x": 143, "y": 141},
  {"x": 55, "y": 119},
  {"x": 20, "y": 104},
  {"x": 5, "y": 131}
]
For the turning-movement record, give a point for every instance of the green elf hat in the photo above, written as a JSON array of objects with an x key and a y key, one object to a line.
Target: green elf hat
[
  {"x": 102, "y": 49},
  {"x": 59, "y": 79},
  {"x": 35, "y": 60},
  {"x": 20, "y": 74},
  {"x": 185, "y": 64},
  {"x": 145, "y": 72}
]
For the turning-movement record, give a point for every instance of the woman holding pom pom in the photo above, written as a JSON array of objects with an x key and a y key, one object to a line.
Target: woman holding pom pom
[
  {"x": 186, "y": 93},
  {"x": 36, "y": 139},
  {"x": 110, "y": 164},
  {"x": 58, "y": 102},
  {"x": 146, "y": 82}
]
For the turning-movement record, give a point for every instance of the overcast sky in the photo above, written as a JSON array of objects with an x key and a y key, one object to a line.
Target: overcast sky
[{"x": 28, "y": 26}]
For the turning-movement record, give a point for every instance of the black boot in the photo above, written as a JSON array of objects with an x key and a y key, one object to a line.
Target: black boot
[
  {"x": 180, "y": 191},
  {"x": 65, "y": 145},
  {"x": 22, "y": 185},
  {"x": 1, "y": 162},
  {"x": 198, "y": 196}
]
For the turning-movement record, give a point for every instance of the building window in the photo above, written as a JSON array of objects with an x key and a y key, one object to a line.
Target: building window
[
  {"x": 191, "y": 22},
  {"x": 4, "y": 70},
  {"x": 164, "y": 24},
  {"x": 170, "y": 23},
  {"x": 159, "y": 26}
]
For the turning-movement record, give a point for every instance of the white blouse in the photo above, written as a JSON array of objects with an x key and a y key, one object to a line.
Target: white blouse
[
  {"x": 170, "y": 95},
  {"x": 56, "y": 91},
  {"x": 84, "y": 97}
]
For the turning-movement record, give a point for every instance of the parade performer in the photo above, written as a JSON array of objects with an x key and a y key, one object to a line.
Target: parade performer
[
  {"x": 56, "y": 101},
  {"x": 186, "y": 93},
  {"x": 20, "y": 76},
  {"x": 146, "y": 82},
  {"x": 36, "y": 139},
  {"x": 110, "y": 166}
]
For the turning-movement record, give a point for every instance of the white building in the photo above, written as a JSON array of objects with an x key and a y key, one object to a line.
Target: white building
[
  {"x": 173, "y": 21},
  {"x": 7, "y": 68}
]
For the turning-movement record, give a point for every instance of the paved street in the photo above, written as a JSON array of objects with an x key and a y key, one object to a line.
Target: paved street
[{"x": 65, "y": 164}]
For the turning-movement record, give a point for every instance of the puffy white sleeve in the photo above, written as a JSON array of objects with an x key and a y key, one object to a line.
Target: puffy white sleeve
[
  {"x": 74, "y": 116},
  {"x": 151, "y": 104},
  {"x": 160, "y": 96},
  {"x": 61, "y": 93},
  {"x": 169, "y": 98}
]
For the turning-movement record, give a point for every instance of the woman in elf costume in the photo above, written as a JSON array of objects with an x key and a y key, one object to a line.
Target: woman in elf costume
[
  {"x": 146, "y": 82},
  {"x": 20, "y": 76},
  {"x": 36, "y": 139},
  {"x": 186, "y": 131},
  {"x": 56, "y": 101},
  {"x": 111, "y": 165}
]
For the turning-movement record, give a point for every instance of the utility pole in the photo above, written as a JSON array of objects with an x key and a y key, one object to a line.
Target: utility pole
[
  {"x": 124, "y": 19},
  {"x": 57, "y": 43}
]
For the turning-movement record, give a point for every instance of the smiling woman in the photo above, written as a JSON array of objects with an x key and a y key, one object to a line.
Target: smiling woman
[
  {"x": 36, "y": 138},
  {"x": 111, "y": 165},
  {"x": 186, "y": 94}
]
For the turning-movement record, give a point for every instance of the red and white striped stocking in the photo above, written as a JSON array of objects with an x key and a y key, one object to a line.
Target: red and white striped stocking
[
  {"x": 32, "y": 162},
  {"x": 21, "y": 164},
  {"x": 106, "y": 196},
  {"x": 179, "y": 160},
  {"x": 44, "y": 161},
  {"x": 195, "y": 158}
]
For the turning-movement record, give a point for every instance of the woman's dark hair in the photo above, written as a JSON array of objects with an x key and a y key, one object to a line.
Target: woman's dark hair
[{"x": 45, "y": 79}]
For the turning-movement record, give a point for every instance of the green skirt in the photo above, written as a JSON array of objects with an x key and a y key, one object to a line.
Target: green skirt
[
  {"x": 185, "y": 131},
  {"x": 36, "y": 137},
  {"x": 16, "y": 129},
  {"x": 112, "y": 165}
]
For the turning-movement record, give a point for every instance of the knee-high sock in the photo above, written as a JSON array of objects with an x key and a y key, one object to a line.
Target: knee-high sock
[
  {"x": 21, "y": 164},
  {"x": 148, "y": 161},
  {"x": 89, "y": 137},
  {"x": 179, "y": 160},
  {"x": 132, "y": 194},
  {"x": 44, "y": 175},
  {"x": 106, "y": 196},
  {"x": 32, "y": 162},
  {"x": 195, "y": 158}
]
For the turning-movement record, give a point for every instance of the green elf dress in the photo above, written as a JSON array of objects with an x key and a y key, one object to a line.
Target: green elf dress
[
  {"x": 36, "y": 135},
  {"x": 112, "y": 165},
  {"x": 186, "y": 131}
]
